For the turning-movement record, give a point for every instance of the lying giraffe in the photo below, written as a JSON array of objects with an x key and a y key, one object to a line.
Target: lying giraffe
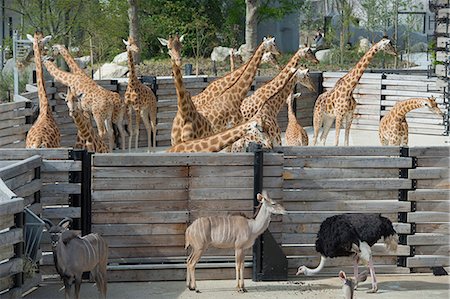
[{"x": 393, "y": 128}]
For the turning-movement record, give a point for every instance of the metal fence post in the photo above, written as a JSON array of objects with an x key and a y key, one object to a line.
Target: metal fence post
[{"x": 258, "y": 164}]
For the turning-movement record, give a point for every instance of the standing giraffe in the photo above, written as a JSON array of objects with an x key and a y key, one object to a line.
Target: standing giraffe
[
  {"x": 87, "y": 137},
  {"x": 140, "y": 98},
  {"x": 224, "y": 111},
  {"x": 188, "y": 124},
  {"x": 338, "y": 103},
  {"x": 44, "y": 132},
  {"x": 393, "y": 128},
  {"x": 295, "y": 133},
  {"x": 106, "y": 106}
]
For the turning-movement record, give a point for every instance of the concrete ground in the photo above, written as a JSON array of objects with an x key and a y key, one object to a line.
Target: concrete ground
[{"x": 412, "y": 286}]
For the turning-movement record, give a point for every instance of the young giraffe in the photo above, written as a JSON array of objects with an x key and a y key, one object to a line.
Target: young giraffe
[
  {"x": 188, "y": 124},
  {"x": 44, "y": 132},
  {"x": 106, "y": 106},
  {"x": 257, "y": 137},
  {"x": 295, "y": 134},
  {"x": 338, "y": 103},
  {"x": 224, "y": 111},
  {"x": 271, "y": 110},
  {"x": 219, "y": 141},
  {"x": 87, "y": 137},
  {"x": 140, "y": 98},
  {"x": 393, "y": 128}
]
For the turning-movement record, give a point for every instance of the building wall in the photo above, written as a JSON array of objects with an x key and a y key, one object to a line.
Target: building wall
[
  {"x": 285, "y": 31},
  {"x": 9, "y": 20}
]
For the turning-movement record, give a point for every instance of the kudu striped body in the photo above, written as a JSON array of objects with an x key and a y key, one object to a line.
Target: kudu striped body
[
  {"x": 74, "y": 255},
  {"x": 236, "y": 232}
]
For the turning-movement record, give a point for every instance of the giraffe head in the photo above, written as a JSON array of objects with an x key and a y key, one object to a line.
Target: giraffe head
[
  {"x": 174, "y": 44},
  {"x": 431, "y": 104},
  {"x": 57, "y": 49},
  {"x": 291, "y": 97},
  {"x": 386, "y": 45},
  {"x": 39, "y": 39},
  {"x": 71, "y": 100},
  {"x": 131, "y": 45},
  {"x": 269, "y": 58},
  {"x": 307, "y": 54},
  {"x": 302, "y": 76},
  {"x": 236, "y": 54},
  {"x": 270, "y": 46}
]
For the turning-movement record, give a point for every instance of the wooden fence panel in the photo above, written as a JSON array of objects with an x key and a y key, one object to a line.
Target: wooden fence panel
[
  {"x": 14, "y": 124},
  {"x": 155, "y": 197},
  {"x": 323, "y": 181},
  {"x": 432, "y": 213}
]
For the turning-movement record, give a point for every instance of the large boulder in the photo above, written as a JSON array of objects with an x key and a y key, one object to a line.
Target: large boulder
[
  {"x": 83, "y": 61},
  {"x": 110, "y": 71},
  {"x": 323, "y": 55},
  {"x": 122, "y": 58}
]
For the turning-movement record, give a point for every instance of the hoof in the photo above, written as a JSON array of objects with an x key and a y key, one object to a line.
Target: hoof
[
  {"x": 191, "y": 289},
  {"x": 372, "y": 291},
  {"x": 242, "y": 290},
  {"x": 197, "y": 291}
]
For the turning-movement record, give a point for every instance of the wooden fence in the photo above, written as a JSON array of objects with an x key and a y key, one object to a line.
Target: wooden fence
[
  {"x": 142, "y": 205},
  {"x": 51, "y": 189},
  {"x": 376, "y": 94},
  {"x": 14, "y": 123}
]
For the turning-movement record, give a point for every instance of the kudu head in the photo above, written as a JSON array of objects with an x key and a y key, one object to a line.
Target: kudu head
[
  {"x": 349, "y": 285},
  {"x": 269, "y": 204},
  {"x": 56, "y": 231}
]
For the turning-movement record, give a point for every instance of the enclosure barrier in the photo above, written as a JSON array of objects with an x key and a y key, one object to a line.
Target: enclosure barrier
[{"x": 377, "y": 93}]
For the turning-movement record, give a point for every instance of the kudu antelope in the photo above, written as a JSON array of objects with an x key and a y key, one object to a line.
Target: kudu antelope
[
  {"x": 74, "y": 255},
  {"x": 350, "y": 284},
  {"x": 232, "y": 231}
]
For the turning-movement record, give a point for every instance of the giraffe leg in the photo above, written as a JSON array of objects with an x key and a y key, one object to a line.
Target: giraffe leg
[
  {"x": 327, "y": 123},
  {"x": 317, "y": 123},
  {"x": 110, "y": 131},
  {"x": 119, "y": 124},
  {"x": 153, "y": 123},
  {"x": 348, "y": 124},
  {"x": 404, "y": 134},
  {"x": 137, "y": 128},
  {"x": 338, "y": 124},
  {"x": 130, "y": 126},
  {"x": 148, "y": 127}
]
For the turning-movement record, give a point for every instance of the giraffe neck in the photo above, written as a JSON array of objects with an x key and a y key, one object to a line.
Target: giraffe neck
[
  {"x": 73, "y": 65},
  {"x": 291, "y": 115},
  {"x": 185, "y": 105},
  {"x": 245, "y": 81},
  {"x": 132, "y": 78},
  {"x": 66, "y": 78},
  {"x": 358, "y": 70},
  {"x": 274, "y": 106},
  {"x": 44, "y": 107},
  {"x": 215, "y": 142},
  {"x": 231, "y": 62},
  {"x": 87, "y": 133},
  {"x": 402, "y": 108},
  {"x": 293, "y": 62}
]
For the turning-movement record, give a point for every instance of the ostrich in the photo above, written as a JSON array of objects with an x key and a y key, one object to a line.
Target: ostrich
[{"x": 352, "y": 235}]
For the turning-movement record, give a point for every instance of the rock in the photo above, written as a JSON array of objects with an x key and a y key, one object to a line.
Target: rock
[
  {"x": 83, "y": 61},
  {"x": 323, "y": 55},
  {"x": 364, "y": 45},
  {"x": 110, "y": 71},
  {"x": 220, "y": 53},
  {"x": 121, "y": 58}
]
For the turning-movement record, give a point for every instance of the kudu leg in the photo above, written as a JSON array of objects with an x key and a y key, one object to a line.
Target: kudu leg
[
  {"x": 77, "y": 287},
  {"x": 240, "y": 270},
  {"x": 67, "y": 287},
  {"x": 194, "y": 258}
]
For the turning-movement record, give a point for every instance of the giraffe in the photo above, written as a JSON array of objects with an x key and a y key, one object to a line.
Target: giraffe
[
  {"x": 271, "y": 110},
  {"x": 258, "y": 137},
  {"x": 106, "y": 106},
  {"x": 393, "y": 128},
  {"x": 174, "y": 46},
  {"x": 338, "y": 103},
  {"x": 44, "y": 132},
  {"x": 188, "y": 124},
  {"x": 218, "y": 141},
  {"x": 140, "y": 98},
  {"x": 295, "y": 134},
  {"x": 224, "y": 111},
  {"x": 234, "y": 57},
  {"x": 71, "y": 63},
  {"x": 87, "y": 137}
]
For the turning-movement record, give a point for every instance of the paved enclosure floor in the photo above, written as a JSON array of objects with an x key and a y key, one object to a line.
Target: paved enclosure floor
[{"x": 413, "y": 286}]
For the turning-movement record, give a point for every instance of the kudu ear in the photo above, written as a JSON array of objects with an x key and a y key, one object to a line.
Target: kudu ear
[
  {"x": 265, "y": 194},
  {"x": 65, "y": 223},
  {"x": 30, "y": 37},
  {"x": 48, "y": 223},
  {"x": 46, "y": 39},
  {"x": 342, "y": 276},
  {"x": 163, "y": 41},
  {"x": 259, "y": 197},
  {"x": 181, "y": 38},
  {"x": 62, "y": 95},
  {"x": 126, "y": 42}
]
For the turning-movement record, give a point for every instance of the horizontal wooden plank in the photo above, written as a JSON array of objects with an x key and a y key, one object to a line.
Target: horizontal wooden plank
[
  {"x": 432, "y": 249},
  {"x": 19, "y": 154},
  {"x": 427, "y": 261},
  {"x": 374, "y": 206},
  {"x": 140, "y": 172},
  {"x": 150, "y": 183},
  {"x": 142, "y": 217},
  {"x": 433, "y": 151},
  {"x": 428, "y": 194},
  {"x": 61, "y": 212},
  {"x": 424, "y": 217},
  {"x": 350, "y": 162},
  {"x": 11, "y": 267},
  {"x": 313, "y": 151},
  {"x": 12, "y": 236},
  {"x": 292, "y": 173},
  {"x": 127, "y": 195},
  {"x": 144, "y": 241},
  {"x": 327, "y": 195},
  {"x": 56, "y": 166},
  {"x": 10, "y": 206},
  {"x": 440, "y": 228},
  {"x": 139, "y": 229},
  {"x": 320, "y": 216},
  {"x": 350, "y": 184},
  {"x": 136, "y": 206},
  {"x": 429, "y": 173},
  {"x": 428, "y": 239},
  {"x": 20, "y": 167}
]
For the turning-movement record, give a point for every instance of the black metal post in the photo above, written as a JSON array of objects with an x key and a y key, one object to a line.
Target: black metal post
[
  {"x": 19, "y": 248},
  {"x": 258, "y": 165},
  {"x": 86, "y": 199}
]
